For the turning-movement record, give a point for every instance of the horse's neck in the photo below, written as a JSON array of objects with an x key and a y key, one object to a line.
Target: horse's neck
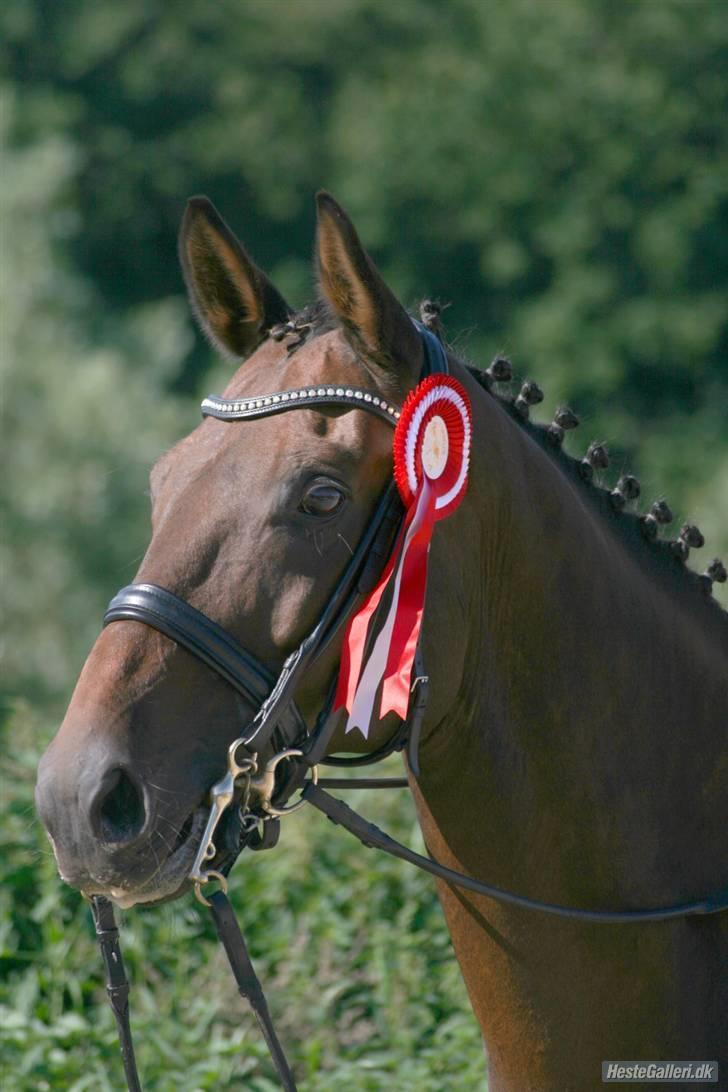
[
  {"x": 576, "y": 756},
  {"x": 591, "y": 694}
]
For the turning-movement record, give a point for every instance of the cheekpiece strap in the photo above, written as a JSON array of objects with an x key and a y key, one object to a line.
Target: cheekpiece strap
[{"x": 436, "y": 361}]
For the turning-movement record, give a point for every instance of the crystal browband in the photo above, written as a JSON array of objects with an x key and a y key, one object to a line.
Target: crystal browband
[{"x": 233, "y": 409}]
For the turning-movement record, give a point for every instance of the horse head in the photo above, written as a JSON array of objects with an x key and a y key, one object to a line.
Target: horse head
[{"x": 253, "y": 524}]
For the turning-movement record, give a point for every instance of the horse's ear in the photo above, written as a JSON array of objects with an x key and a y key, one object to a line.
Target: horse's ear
[
  {"x": 369, "y": 311},
  {"x": 232, "y": 299}
]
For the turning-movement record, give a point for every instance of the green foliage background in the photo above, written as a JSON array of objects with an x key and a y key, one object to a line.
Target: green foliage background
[{"x": 557, "y": 171}]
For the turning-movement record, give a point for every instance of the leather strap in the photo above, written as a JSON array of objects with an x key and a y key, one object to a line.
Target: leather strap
[
  {"x": 247, "y": 981},
  {"x": 265, "y": 405},
  {"x": 249, "y": 987},
  {"x": 364, "y": 782},
  {"x": 435, "y": 355},
  {"x": 117, "y": 984},
  {"x": 204, "y": 638},
  {"x": 370, "y": 835},
  {"x": 210, "y": 643}
]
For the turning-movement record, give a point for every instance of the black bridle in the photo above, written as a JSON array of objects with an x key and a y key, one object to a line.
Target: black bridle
[
  {"x": 278, "y": 724},
  {"x": 278, "y": 720}
]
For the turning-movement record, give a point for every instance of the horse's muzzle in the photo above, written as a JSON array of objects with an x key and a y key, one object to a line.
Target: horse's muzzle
[{"x": 108, "y": 828}]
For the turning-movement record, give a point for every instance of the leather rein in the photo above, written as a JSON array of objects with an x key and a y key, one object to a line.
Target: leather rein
[{"x": 262, "y": 795}]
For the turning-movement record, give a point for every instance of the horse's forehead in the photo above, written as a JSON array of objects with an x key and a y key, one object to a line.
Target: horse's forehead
[
  {"x": 347, "y": 436},
  {"x": 274, "y": 366}
]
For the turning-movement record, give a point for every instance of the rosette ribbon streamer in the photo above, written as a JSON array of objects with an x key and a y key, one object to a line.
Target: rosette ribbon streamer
[{"x": 431, "y": 459}]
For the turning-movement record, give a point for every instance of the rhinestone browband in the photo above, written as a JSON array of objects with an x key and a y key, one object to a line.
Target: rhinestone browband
[{"x": 233, "y": 409}]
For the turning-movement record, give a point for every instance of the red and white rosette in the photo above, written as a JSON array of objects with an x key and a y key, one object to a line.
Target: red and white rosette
[{"x": 431, "y": 460}]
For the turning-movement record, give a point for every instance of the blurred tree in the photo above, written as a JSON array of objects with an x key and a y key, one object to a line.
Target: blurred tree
[
  {"x": 557, "y": 171},
  {"x": 80, "y": 426}
]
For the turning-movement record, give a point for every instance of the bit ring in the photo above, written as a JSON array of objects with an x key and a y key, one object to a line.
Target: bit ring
[
  {"x": 264, "y": 786},
  {"x": 212, "y": 875}
]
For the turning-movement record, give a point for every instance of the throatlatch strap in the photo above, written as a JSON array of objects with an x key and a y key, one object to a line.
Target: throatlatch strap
[
  {"x": 247, "y": 981},
  {"x": 117, "y": 984}
]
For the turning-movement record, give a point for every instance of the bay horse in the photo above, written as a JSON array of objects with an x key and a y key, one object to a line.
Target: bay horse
[{"x": 574, "y": 745}]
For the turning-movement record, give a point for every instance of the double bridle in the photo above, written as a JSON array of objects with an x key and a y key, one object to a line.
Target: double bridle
[{"x": 278, "y": 728}]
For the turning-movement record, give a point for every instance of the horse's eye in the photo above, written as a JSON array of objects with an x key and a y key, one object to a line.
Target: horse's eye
[{"x": 322, "y": 499}]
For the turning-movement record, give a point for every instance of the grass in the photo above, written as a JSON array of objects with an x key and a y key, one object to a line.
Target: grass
[{"x": 350, "y": 945}]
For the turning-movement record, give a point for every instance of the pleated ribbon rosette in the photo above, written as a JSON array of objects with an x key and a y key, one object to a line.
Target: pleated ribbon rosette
[{"x": 431, "y": 459}]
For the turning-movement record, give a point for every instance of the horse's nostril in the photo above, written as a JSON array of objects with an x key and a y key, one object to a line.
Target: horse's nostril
[{"x": 118, "y": 811}]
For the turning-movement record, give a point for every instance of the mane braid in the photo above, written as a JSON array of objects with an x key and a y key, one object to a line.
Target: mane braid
[
  {"x": 311, "y": 321},
  {"x": 630, "y": 525}
]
